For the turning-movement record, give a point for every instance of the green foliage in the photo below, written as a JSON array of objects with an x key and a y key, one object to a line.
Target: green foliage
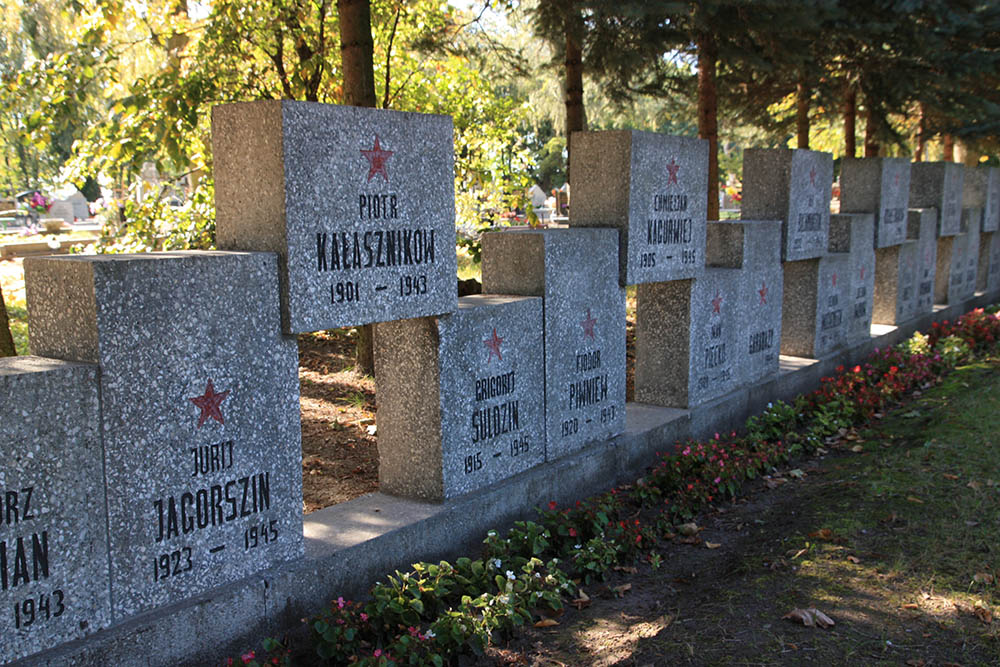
[
  {"x": 952, "y": 349},
  {"x": 153, "y": 224}
]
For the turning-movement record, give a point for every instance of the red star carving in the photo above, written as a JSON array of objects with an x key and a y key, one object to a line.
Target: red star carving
[
  {"x": 763, "y": 292},
  {"x": 897, "y": 179},
  {"x": 376, "y": 161},
  {"x": 862, "y": 273},
  {"x": 588, "y": 325},
  {"x": 717, "y": 303},
  {"x": 812, "y": 176},
  {"x": 834, "y": 278},
  {"x": 210, "y": 403},
  {"x": 672, "y": 170},
  {"x": 493, "y": 343}
]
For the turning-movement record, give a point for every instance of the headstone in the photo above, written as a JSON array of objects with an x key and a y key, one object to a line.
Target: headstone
[
  {"x": 895, "y": 299},
  {"x": 653, "y": 189},
  {"x": 985, "y": 263},
  {"x": 882, "y": 186},
  {"x": 576, "y": 273},
  {"x": 922, "y": 226},
  {"x": 853, "y": 234},
  {"x": 973, "y": 222},
  {"x": 62, "y": 210},
  {"x": 755, "y": 248},
  {"x": 950, "y": 275},
  {"x": 358, "y": 203},
  {"x": 993, "y": 272},
  {"x": 53, "y": 524},
  {"x": 199, "y": 412},
  {"x": 792, "y": 186},
  {"x": 939, "y": 185},
  {"x": 817, "y": 305},
  {"x": 991, "y": 208},
  {"x": 81, "y": 207},
  {"x": 537, "y": 196},
  {"x": 461, "y": 400}
]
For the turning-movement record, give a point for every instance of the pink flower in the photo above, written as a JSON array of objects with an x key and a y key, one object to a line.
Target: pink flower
[
  {"x": 364, "y": 616},
  {"x": 378, "y": 653},
  {"x": 717, "y": 479},
  {"x": 247, "y": 657},
  {"x": 572, "y": 532},
  {"x": 340, "y": 603}
]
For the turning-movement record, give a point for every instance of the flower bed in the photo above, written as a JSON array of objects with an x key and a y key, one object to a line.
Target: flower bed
[{"x": 438, "y": 611}]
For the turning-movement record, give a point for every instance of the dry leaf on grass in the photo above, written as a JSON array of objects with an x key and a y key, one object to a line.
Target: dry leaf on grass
[
  {"x": 983, "y": 614},
  {"x": 694, "y": 539},
  {"x": 914, "y": 499},
  {"x": 798, "y": 553},
  {"x": 949, "y": 476},
  {"x": 854, "y": 559},
  {"x": 621, "y": 590},
  {"x": 712, "y": 545},
  {"x": 911, "y": 605},
  {"x": 857, "y": 449},
  {"x": 810, "y": 617},
  {"x": 983, "y": 578},
  {"x": 546, "y": 623},
  {"x": 628, "y": 569},
  {"x": 822, "y": 534},
  {"x": 774, "y": 482},
  {"x": 583, "y": 600},
  {"x": 974, "y": 485},
  {"x": 688, "y": 529},
  {"x": 915, "y": 662}
]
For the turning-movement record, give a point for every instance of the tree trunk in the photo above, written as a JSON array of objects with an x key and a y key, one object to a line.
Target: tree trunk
[
  {"x": 6, "y": 339},
  {"x": 357, "y": 50},
  {"x": 708, "y": 116},
  {"x": 871, "y": 132},
  {"x": 850, "y": 122},
  {"x": 949, "y": 148},
  {"x": 918, "y": 154},
  {"x": 802, "y": 112},
  {"x": 576, "y": 114}
]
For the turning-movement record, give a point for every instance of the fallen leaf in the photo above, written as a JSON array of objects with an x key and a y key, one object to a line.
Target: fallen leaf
[
  {"x": 582, "y": 601},
  {"x": 628, "y": 569},
  {"x": 974, "y": 485},
  {"x": 915, "y": 662},
  {"x": 983, "y": 614},
  {"x": 854, "y": 559},
  {"x": 971, "y": 524},
  {"x": 810, "y": 617},
  {"x": 621, "y": 590},
  {"x": 797, "y": 474},
  {"x": 712, "y": 545},
  {"x": 688, "y": 529},
  {"x": 694, "y": 539},
  {"x": 822, "y": 534},
  {"x": 914, "y": 499},
  {"x": 774, "y": 483},
  {"x": 799, "y": 553},
  {"x": 911, "y": 605},
  {"x": 983, "y": 578},
  {"x": 546, "y": 623},
  {"x": 949, "y": 476},
  {"x": 857, "y": 449}
]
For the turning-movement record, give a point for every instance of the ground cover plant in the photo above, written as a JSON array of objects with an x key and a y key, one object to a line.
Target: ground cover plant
[{"x": 436, "y": 613}]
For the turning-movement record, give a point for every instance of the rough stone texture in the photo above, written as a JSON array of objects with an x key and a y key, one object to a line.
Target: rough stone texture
[
  {"x": 461, "y": 397},
  {"x": 880, "y": 186},
  {"x": 957, "y": 262},
  {"x": 895, "y": 299},
  {"x": 192, "y": 363},
  {"x": 792, "y": 186},
  {"x": 993, "y": 272},
  {"x": 817, "y": 305},
  {"x": 985, "y": 265},
  {"x": 53, "y": 527},
  {"x": 358, "y": 203},
  {"x": 991, "y": 207},
  {"x": 754, "y": 247},
  {"x": 853, "y": 233},
  {"x": 939, "y": 185},
  {"x": 973, "y": 221},
  {"x": 678, "y": 370},
  {"x": 922, "y": 226},
  {"x": 652, "y": 188},
  {"x": 576, "y": 272}
]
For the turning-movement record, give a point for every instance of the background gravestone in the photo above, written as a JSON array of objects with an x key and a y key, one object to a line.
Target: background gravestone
[
  {"x": 652, "y": 188},
  {"x": 792, "y": 186},
  {"x": 882, "y": 186},
  {"x": 688, "y": 339},
  {"x": 576, "y": 272},
  {"x": 754, "y": 247},
  {"x": 923, "y": 227},
  {"x": 895, "y": 299},
  {"x": 939, "y": 185},
  {"x": 993, "y": 272},
  {"x": 358, "y": 203},
  {"x": 853, "y": 233},
  {"x": 53, "y": 526},
  {"x": 973, "y": 223},
  {"x": 199, "y": 412},
  {"x": 991, "y": 207},
  {"x": 461, "y": 400},
  {"x": 816, "y": 305},
  {"x": 952, "y": 267}
]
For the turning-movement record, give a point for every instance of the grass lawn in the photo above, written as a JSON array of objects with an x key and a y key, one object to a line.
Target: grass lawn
[{"x": 895, "y": 535}]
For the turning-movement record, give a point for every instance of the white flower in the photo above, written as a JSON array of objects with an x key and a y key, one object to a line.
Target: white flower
[
  {"x": 577, "y": 546},
  {"x": 510, "y": 575},
  {"x": 492, "y": 533},
  {"x": 497, "y": 563},
  {"x": 430, "y": 634}
]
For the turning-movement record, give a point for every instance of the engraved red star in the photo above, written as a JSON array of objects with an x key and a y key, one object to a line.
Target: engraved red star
[
  {"x": 210, "y": 404},
  {"x": 588, "y": 325},
  {"x": 897, "y": 179},
  {"x": 672, "y": 170},
  {"x": 862, "y": 273},
  {"x": 493, "y": 343},
  {"x": 763, "y": 292},
  {"x": 834, "y": 278},
  {"x": 376, "y": 161},
  {"x": 812, "y": 175},
  {"x": 717, "y": 303}
]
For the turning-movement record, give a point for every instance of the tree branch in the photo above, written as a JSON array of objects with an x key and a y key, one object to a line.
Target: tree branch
[{"x": 388, "y": 58}]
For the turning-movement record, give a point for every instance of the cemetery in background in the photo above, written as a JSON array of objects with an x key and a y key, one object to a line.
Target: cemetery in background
[{"x": 153, "y": 484}]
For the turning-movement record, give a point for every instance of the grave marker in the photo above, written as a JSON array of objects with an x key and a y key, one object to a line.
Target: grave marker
[
  {"x": 358, "y": 203},
  {"x": 817, "y": 305},
  {"x": 652, "y": 188},
  {"x": 792, "y": 186},
  {"x": 922, "y": 226},
  {"x": 576, "y": 273},
  {"x": 461, "y": 401},
  {"x": 973, "y": 221},
  {"x": 882, "y": 186},
  {"x": 993, "y": 272},
  {"x": 895, "y": 299},
  {"x": 54, "y": 584},
  {"x": 939, "y": 185},
  {"x": 199, "y": 412},
  {"x": 753, "y": 247},
  {"x": 991, "y": 208},
  {"x": 853, "y": 234}
]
